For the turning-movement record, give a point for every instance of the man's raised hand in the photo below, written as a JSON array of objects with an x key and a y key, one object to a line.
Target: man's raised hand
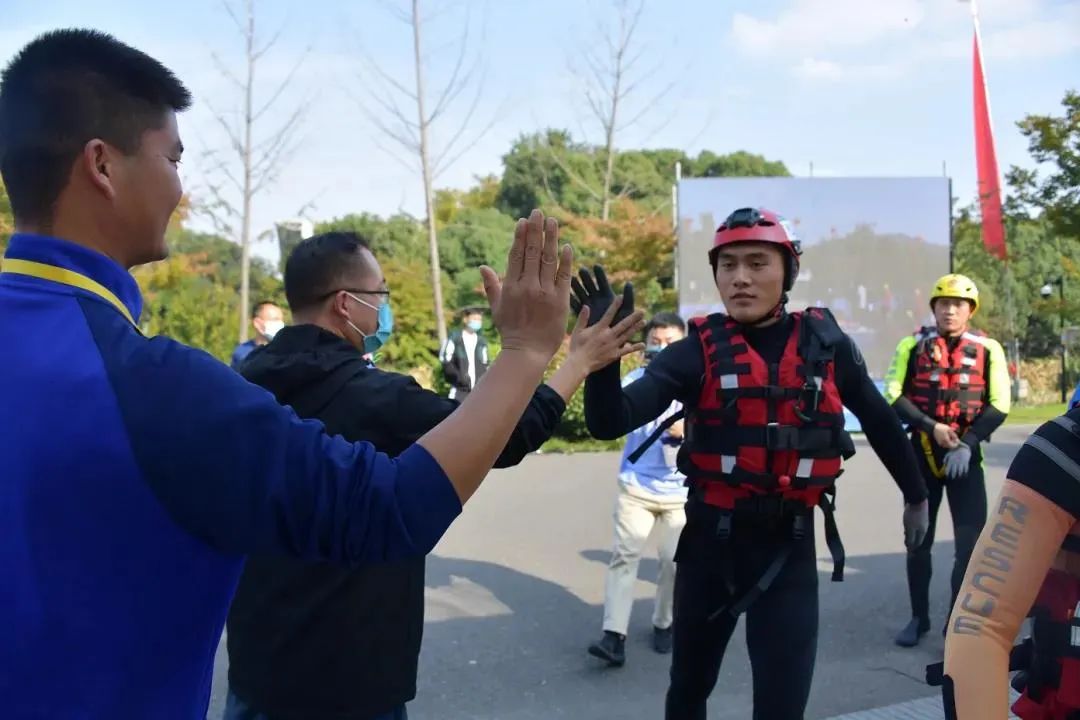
[{"x": 530, "y": 305}]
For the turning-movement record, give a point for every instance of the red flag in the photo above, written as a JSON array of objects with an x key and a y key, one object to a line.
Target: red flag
[{"x": 993, "y": 229}]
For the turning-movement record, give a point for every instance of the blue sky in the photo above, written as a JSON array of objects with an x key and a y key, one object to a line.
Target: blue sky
[{"x": 857, "y": 88}]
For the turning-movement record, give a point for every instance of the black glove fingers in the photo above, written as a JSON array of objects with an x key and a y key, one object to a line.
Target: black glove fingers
[
  {"x": 602, "y": 283},
  {"x": 579, "y": 291},
  {"x": 587, "y": 281}
]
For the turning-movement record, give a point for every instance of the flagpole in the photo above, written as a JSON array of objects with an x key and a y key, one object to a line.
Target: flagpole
[
  {"x": 986, "y": 91},
  {"x": 1009, "y": 306}
]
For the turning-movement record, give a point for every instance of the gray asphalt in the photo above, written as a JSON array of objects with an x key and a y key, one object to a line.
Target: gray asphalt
[{"x": 515, "y": 594}]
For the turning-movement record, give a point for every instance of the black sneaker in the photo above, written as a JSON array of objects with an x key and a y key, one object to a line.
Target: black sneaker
[
  {"x": 661, "y": 640},
  {"x": 913, "y": 632},
  {"x": 612, "y": 648}
]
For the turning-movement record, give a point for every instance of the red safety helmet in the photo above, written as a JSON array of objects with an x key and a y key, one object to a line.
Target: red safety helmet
[{"x": 759, "y": 225}]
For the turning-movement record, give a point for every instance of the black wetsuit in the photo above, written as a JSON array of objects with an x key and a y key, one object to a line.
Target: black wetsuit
[{"x": 782, "y": 623}]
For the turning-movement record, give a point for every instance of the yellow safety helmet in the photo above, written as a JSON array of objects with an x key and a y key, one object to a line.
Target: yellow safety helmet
[{"x": 954, "y": 285}]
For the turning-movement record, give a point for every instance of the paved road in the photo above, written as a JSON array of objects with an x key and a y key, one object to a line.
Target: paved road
[{"x": 515, "y": 589}]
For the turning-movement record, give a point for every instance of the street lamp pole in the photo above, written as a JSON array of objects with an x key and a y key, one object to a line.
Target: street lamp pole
[{"x": 1064, "y": 347}]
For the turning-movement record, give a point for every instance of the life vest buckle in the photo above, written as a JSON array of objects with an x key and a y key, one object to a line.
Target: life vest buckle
[
  {"x": 809, "y": 397},
  {"x": 798, "y": 527},
  {"x": 723, "y": 526},
  {"x": 781, "y": 437}
]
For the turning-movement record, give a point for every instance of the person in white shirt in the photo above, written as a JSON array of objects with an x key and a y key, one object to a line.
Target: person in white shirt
[
  {"x": 465, "y": 355},
  {"x": 651, "y": 495}
]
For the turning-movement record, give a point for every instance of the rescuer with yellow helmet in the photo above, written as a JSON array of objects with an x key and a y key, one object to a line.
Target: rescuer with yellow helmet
[{"x": 950, "y": 385}]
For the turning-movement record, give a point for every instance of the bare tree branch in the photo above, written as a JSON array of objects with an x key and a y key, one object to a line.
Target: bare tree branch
[
  {"x": 453, "y": 87},
  {"x": 220, "y": 66},
  {"x": 232, "y": 13},
  {"x": 442, "y": 164},
  {"x": 402, "y": 136},
  {"x": 254, "y": 164},
  {"x": 234, "y": 138},
  {"x": 270, "y": 43},
  {"x": 395, "y": 11},
  {"x": 273, "y": 149},
  {"x": 390, "y": 108},
  {"x": 570, "y": 173},
  {"x": 408, "y": 165},
  {"x": 283, "y": 86},
  {"x": 389, "y": 79},
  {"x": 651, "y": 105}
]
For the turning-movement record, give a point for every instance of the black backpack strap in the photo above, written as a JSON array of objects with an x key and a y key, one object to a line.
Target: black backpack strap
[
  {"x": 823, "y": 324},
  {"x": 654, "y": 436},
  {"x": 309, "y": 405}
]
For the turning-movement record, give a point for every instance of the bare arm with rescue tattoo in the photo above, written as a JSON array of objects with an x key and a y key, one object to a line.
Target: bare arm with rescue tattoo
[{"x": 1015, "y": 550}]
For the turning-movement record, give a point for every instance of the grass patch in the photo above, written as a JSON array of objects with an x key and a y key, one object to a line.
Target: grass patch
[
  {"x": 559, "y": 445},
  {"x": 1034, "y": 414},
  {"x": 1019, "y": 415}
]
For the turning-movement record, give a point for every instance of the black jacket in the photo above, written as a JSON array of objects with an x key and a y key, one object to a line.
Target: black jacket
[
  {"x": 455, "y": 361},
  {"x": 313, "y": 640}
]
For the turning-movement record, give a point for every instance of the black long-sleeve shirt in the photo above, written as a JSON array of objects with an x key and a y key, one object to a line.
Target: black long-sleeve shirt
[{"x": 677, "y": 373}]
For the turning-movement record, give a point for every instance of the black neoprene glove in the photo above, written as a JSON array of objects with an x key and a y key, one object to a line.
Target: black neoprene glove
[{"x": 597, "y": 296}]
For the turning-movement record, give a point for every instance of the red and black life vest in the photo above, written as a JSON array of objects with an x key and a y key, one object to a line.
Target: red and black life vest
[
  {"x": 767, "y": 429},
  {"x": 1050, "y": 682},
  {"x": 949, "y": 386},
  {"x": 768, "y": 439}
]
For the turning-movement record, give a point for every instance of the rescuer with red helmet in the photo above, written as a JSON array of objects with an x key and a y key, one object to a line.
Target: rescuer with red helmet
[{"x": 763, "y": 392}]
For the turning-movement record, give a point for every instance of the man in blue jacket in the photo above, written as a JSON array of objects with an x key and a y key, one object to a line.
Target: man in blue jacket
[{"x": 138, "y": 472}]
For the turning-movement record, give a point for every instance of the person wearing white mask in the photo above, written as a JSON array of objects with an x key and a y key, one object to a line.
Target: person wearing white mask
[
  {"x": 465, "y": 356},
  {"x": 311, "y": 639},
  {"x": 268, "y": 319},
  {"x": 651, "y": 495}
]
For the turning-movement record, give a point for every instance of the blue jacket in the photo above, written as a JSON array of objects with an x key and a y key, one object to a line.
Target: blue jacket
[
  {"x": 240, "y": 353},
  {"x": 137, "y": 473}
]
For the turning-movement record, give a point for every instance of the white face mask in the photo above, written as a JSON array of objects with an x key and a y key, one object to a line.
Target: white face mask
[{"x": 272, "y": 328}]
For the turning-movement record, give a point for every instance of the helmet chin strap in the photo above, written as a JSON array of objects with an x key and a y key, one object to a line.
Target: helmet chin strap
[{"x": 777, "y": 313}]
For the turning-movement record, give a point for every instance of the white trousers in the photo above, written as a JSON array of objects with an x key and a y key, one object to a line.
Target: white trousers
[{"x": 637, "y": 513}]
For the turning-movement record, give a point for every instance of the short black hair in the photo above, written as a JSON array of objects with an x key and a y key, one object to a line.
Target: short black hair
[
  {"x": 64, "y": 89},
  {"x": 318, "y": 266},
  {"x": 259, "y": 306},
  {"x": 666, "y": 320}
]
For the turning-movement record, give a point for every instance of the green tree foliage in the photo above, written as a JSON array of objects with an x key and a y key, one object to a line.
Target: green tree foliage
[
  {"x": 414, "y": 343},
  {"x": 736, "y": 164},
  {"x": 632, "y": 245},
  {"x": 475, "y": 237},
  {"x": 399, "y": 236},
  {"x": 1034, "y": 258},
  {"x": 184, "y": 301},
  {"x": 1054, "y": 143},
  {"x": 550, "y": 170},
  {"x": 7, "y": 220}
]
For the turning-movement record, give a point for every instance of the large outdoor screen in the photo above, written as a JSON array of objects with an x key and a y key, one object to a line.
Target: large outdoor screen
[{"x": 872, "y": 248}]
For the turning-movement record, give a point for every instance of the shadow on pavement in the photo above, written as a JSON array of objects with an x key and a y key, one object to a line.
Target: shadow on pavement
[{"x": 500, "y": 643}]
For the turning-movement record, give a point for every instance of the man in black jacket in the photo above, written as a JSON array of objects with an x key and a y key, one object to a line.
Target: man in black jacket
[
  {"x": 312, "y": 640},
  {"x": 465, "y": 355}
]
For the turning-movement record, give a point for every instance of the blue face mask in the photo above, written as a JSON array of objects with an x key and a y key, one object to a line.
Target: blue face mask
[
  {"x": 372, "y": 343},
  {"x": 475, "y": 325}
]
